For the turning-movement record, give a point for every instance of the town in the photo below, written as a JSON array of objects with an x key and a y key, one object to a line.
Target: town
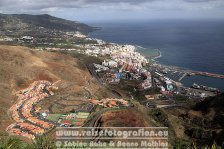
[
  {"x": 126, "y": 63},
  {"x": 119, "y": 63},
  {"x": 28, "y": 123},
  {"x": 31, "y": 121}
]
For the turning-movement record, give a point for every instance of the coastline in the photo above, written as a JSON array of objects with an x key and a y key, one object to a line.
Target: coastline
[
  {"x": 187, "y": 82},
  {"x": 156, "y": 53},
  {"x": 159, "y": 56},
  {"x": 152, "y": 55}
]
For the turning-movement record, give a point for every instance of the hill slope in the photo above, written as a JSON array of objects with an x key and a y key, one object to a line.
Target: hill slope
[
  {"x": 23, "y": 24},
  {"x": 206, "y": 120},
  {"x": 20, "y": 66},
  {"x": 215, "y": 103}
]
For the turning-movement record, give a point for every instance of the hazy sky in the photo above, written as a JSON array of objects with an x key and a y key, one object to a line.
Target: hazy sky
[{"x": 103, "y": 10}]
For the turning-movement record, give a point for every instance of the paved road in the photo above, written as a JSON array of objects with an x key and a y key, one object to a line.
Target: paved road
[{"x": 92, "y": 71}]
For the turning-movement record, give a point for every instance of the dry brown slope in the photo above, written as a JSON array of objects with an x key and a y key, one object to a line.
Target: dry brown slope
[
  {"x": 123, "y": 118},
  {"x": 19, "y": 66}
]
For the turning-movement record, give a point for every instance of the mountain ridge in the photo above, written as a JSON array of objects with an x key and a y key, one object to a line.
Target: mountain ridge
[{"x": 25, "y": 24}]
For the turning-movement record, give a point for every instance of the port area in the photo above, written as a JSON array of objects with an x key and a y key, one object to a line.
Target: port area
[
  {"x": 183, "y": 72},
  {"x": 193, "y": 91},
  {"x": 151, "y": 84},
  {"x": 199, "y": 93}
]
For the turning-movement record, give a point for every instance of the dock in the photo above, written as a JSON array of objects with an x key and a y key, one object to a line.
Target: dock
[
  {"x": 184, "y": 75},
  {"x": 207, "y": 74}
]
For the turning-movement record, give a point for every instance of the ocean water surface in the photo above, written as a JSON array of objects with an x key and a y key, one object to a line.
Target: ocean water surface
[{"x": 191, "y": 44}]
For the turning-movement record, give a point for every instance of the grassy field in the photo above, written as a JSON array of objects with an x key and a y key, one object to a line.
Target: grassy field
[{"x": 54, "y": 117}]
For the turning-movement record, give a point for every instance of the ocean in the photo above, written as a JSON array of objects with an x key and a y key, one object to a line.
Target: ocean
[{"x": 192, "y": 44}]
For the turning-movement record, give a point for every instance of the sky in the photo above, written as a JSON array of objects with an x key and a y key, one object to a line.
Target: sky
[{"x": 116, "y": 10}]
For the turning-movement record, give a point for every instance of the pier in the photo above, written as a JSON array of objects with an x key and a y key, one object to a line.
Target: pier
[
  {"x": 207, "y": 74},
  {"x": 184, "y": 75},
  {"x": 198, "y": 73},
  {"x": 185, "y": 72}
]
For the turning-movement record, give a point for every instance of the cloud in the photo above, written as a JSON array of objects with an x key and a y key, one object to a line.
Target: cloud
[
  {"x": 39, "y": 6},
  {"x": 136, "y": 8},
  {"x": 43, "y": 4},
  {"x": 198, "y": 1},
  {"x": 131, "y": 2}
]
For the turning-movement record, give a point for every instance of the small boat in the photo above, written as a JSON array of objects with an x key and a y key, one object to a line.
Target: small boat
[{"x": 196, "y": 86}]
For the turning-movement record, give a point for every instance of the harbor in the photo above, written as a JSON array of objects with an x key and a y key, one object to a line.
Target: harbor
[{"x": 180, "y": 74}]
